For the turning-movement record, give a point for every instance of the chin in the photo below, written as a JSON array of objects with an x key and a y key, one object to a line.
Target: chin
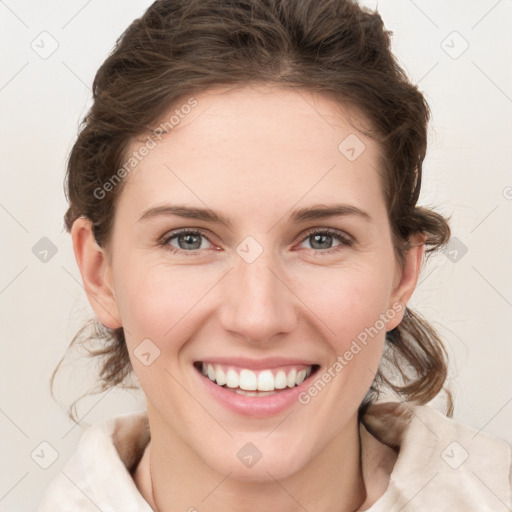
[{"x": 256, "y": 459}]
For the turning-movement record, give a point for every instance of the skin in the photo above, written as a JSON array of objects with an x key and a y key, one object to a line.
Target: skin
[{"x": 253, "y": 154}]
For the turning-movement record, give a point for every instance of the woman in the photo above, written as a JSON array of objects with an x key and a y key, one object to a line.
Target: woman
[{"x": 243, "y": 213}]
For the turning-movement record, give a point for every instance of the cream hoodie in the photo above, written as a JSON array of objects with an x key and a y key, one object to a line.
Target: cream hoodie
[{"x": 441, "y": 465}]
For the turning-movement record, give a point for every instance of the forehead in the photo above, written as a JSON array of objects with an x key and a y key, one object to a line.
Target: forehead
[
  {"x": 228, "y": 145},
  {"x": 277, "y": 116}
]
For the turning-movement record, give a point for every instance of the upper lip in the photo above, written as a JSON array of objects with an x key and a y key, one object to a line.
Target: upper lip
[{"x": 256, "y": 364}]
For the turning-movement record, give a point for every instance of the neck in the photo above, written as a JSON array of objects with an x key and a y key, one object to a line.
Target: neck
[{"x": 172, "y": 478}]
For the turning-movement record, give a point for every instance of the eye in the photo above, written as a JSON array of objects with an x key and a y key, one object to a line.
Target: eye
[
  {"x": 321, "y": 241},
  {"x": 185, "y": 241},
  {"x": 191, "y": 242}
]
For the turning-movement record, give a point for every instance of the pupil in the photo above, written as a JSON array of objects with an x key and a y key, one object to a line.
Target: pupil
[
  {"x": 189, "y": 240},
  {"x": 319, "y": 239}
]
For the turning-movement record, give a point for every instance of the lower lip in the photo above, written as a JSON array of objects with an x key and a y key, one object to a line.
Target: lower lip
[{"x": 253, "y": 405}]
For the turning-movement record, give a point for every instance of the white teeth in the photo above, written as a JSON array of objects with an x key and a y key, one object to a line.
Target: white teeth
[
  {"x": 248, "y": 381},
  {"x": 220, "y": 376},
  {"x": 300, "y": 377},
  {"x": 252, "y": 383},
  {"x": 266, "y": 381},
  {"x": 291, "y": 377},
  {"x": 280, "y": 380},
  {"x": 231, "y": 379}
]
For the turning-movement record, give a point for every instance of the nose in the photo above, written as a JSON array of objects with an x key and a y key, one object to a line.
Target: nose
[{"x": 258, "y": 302}]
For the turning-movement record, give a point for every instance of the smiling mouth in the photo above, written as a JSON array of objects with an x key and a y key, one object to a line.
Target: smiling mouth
[{"x": 260, "y": 383}]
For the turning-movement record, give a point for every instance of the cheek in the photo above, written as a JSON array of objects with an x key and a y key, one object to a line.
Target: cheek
[
  {"x": 347, "y": 301},
  {"x": 162, "y": 304},
  {"x": 160, "y": 301},
  {"x": 350, "y": 304}
]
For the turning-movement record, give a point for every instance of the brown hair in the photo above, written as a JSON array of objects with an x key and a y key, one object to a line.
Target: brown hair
[{"x": 334, "y": 47}]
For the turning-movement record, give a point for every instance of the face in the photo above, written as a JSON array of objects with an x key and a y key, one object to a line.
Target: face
[{"x": 291, "y": 277}]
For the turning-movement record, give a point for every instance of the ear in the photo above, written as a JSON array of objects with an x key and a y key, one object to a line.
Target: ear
[
  {"x": 96, "y": 273},
  {"x": 406, "y": 279}
]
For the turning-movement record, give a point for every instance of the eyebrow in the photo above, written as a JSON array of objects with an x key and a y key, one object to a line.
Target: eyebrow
[
  {"x": 319, "y": 212},
  {"x": 187, "y": 212},
  {"x": 316, "y": 212}
]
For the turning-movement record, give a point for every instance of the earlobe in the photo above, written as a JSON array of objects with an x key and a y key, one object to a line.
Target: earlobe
[
  {"x": 408, "y": 278},
  {"x": 96, "y": 273}
]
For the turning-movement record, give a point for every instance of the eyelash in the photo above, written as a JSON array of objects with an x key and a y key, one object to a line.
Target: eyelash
[{"x": 344, "y": 240}]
